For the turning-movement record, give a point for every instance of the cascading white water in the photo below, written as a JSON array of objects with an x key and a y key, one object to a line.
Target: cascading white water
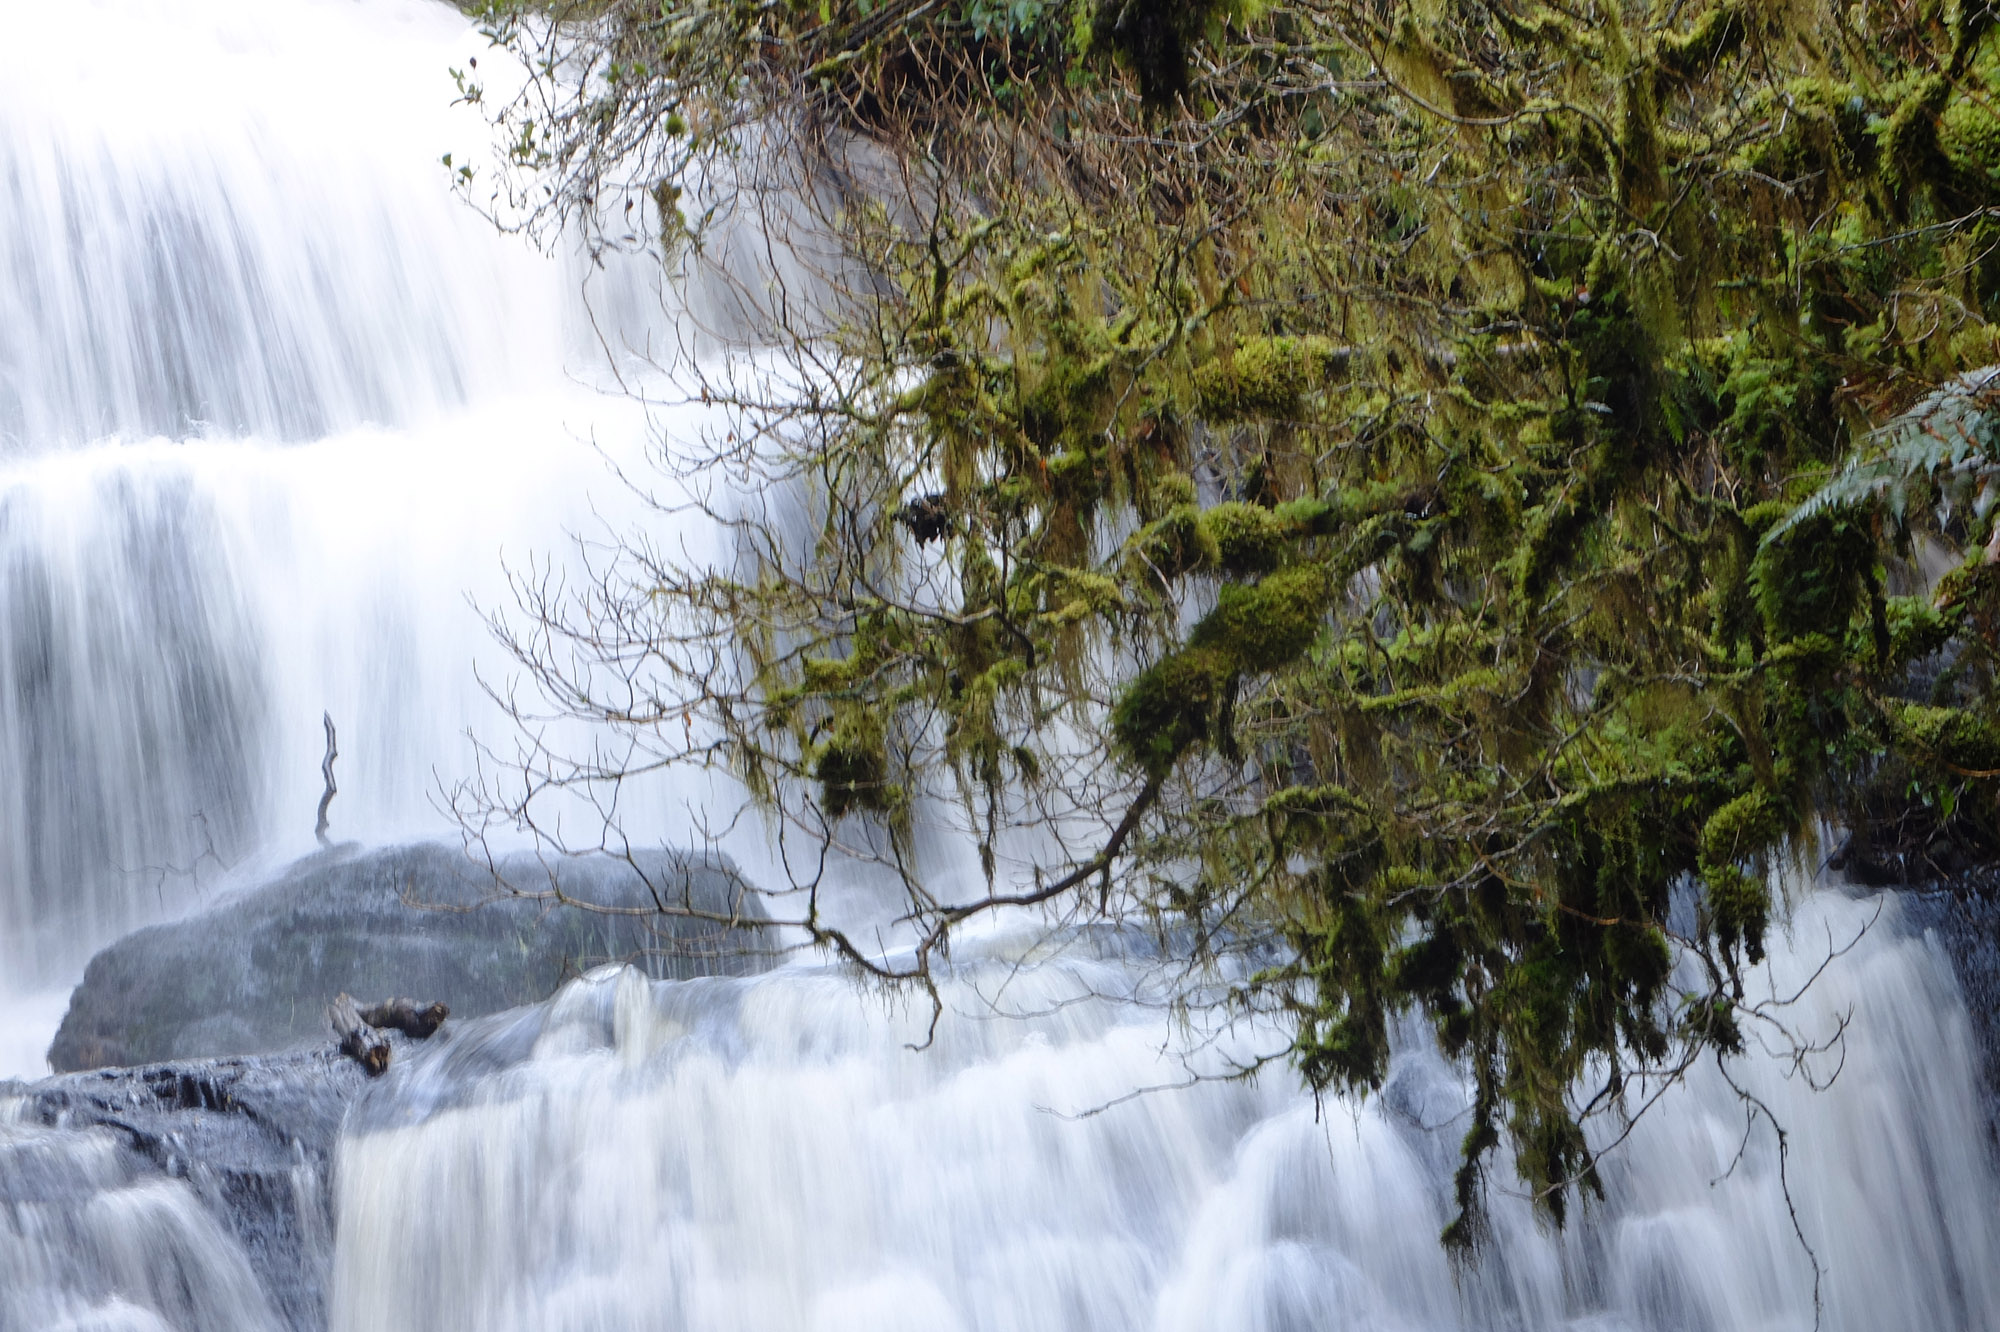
[
  {"x": 203, "y": 236},
  {"x": 772, "y": 1154},
  {"x": 272, "y": 404},
  {"x": 86, "y": 1248}
]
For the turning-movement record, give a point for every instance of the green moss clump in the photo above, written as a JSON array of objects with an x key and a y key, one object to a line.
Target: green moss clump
[
  {"x": 852, "y": 768},
  {"x": 1772, "y": 398},
  {"x": 1740, "y": 902},
  {"x": 1265, "y": 625},
  {"x": 1248, "y": 539},
  {"x": 1266, "y": 378},
  {"x": 1164, "y": 491},
  {"x": 1969, "y": 127},
  {"x": 1950, "y": 736},
  {"x": 1911, "y": 156},
  {"x": 1916, "y": 628},
  {"x": 825, "y": 675},
  {"x": 1811, "y": 579},
  {"x": 1715, "y": 34},
  {"x": 1741, "y": 906},
  {"x": 1351, "y": 1051},
  {"x": 1746, "y": 826},
  {"x": 1065, "y": 405},
  {"x": 1073, "y": 476},
  {"x": 1173, "y": 544},
  {"x": 1640, "y": 956},
  {"x": 1310, "y": 517},
  {"x": 1169, "y": 706}
]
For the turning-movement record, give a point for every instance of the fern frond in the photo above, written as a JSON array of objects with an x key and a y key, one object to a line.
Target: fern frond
[{"x": 1947, "y": 446}]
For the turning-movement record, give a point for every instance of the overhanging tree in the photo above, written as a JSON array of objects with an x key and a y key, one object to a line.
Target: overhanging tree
[{"x": 1399, "y": 493}]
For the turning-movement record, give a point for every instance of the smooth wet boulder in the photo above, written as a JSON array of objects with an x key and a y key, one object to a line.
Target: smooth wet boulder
[{"x": 255, "y": 972}]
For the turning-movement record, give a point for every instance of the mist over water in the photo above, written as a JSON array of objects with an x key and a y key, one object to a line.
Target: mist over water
[{"x": 277, "y": 412}]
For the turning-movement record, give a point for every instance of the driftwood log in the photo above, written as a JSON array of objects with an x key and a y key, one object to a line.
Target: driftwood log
[
  {"x": 358, "y": 1041},
  {"x": 360, "y": 1029},
  {"x": 405, "y": 1016}
]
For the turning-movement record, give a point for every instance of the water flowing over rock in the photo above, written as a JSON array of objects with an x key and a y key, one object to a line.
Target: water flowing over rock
[
  {"x": 772, "y": 1153},
  {"x": 256, "y": 971},
  {"x": 277, "y": 415},
  {"x": 189, "y": 1195}
]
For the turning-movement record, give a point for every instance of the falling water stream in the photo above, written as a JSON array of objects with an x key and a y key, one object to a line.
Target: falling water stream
[{"x": 277, "y": 412}]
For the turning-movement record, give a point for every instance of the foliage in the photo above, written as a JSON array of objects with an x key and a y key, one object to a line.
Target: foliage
[{"x": 1403, "y": 493}]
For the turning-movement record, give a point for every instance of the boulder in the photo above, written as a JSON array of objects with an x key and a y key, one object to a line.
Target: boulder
[{"x": 255, "y": 972}]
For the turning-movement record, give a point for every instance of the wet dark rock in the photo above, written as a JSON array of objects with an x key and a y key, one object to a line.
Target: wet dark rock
[
  {"x": 251, "y": 1138},
  {"x": 1965, "y": 913},
  {"x": 255, "y": 972}
]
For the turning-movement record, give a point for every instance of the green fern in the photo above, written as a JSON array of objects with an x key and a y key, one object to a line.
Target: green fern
[{"x": 1947, "y": 446}]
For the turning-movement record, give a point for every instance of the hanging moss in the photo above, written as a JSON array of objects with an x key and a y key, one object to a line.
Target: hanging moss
[
  {"x": 1911, "y": 157},
  {"x": 1075, "y": 478},
  {"x": 1066, "y": 406},
  {"x": 1631, "y": 289},
  {"x": 1266, "y": 378},
  {"x": 1746, "y": 827},
  {"x": 1740, "y": 907},
  {"x": 1640, "y": 956},
  {"x": 1812, "y": 579},
  {"x": 1346, "y": 1045},
  {"x": 1969, "y": 125},
  {"x": 1156, "y": 38},
  {"x": 852, "y": 769}
]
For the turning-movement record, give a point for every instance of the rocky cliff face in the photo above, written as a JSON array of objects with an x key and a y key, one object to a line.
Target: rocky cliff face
[{"x": 254, "y": 973}]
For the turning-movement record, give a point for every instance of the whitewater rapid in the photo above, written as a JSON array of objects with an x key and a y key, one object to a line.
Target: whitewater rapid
[{"x": 278, "y": 412}]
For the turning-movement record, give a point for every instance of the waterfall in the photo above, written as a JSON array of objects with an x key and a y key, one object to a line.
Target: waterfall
[
  {"x": 202, "y": 236},
  {"x": 274, "y": 407},
  {"x": 84, "y": 1247},
  {"x": 277, "y": 413},
  {"x": 775, "y": 1153}
]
